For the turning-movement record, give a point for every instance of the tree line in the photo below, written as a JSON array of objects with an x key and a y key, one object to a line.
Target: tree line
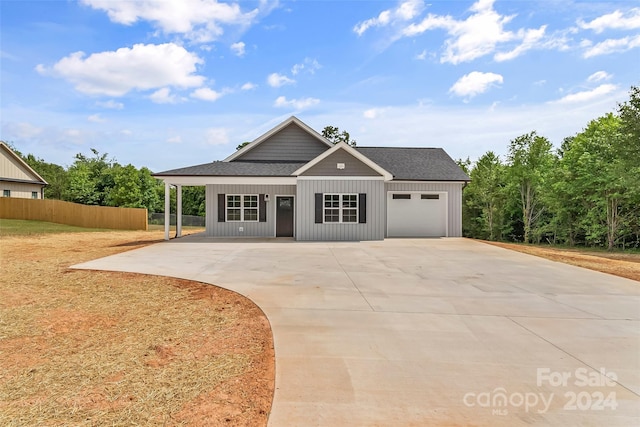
[
  {"x": 585, "y": 193},
  {"x": 96, "y": 179},
  {"x": 99, "y": 180}
]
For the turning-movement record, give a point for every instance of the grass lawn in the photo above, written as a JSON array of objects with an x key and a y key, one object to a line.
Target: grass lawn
[
  {"x": 13, "y": 227},
  {"x": 104, "y": 348}
]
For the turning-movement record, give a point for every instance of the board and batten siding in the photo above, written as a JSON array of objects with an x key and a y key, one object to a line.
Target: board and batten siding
[
  {"x": 329, "y": 166},
  {"x": 290, "y": 144},
  {"x": 454, "y": 200},
  {"x": 12, "y": 169},
  {"x": 307, "y": 229},
  {"x": 250, "y": 228}
]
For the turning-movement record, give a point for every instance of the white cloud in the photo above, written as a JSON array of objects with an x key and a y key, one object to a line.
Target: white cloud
[
  {"x": 481, "y": 33},
  {"x": 277, "y": 80},
  {"x": 110, "y": 104},
  {"x": 615, "y": 20},
  {"x": 248, "y": 86},
  {"x": 471, "y": 38},
  {"x": 216, "y": 136},
  {"x": 475, "y": 83},
  {"x": 421, "y": 56},
  {"x": 298, "y": 104},
  {"x": 238, "y": 48},
  {"x": 309, "y": 65},
  {"x": 587, "y": 95},
  {"x": 599, "y": 76},
  {"x": 612, "y": 45},
  {"x": 96, "y": 118},
  {"x": 372, "y": 113},
  {"x": 177, "y": 139},
  {"x": 142, "y": 67},
  {"x": 530, "y": 39},
  {"x": 22, "y": 130},
  {"x": 163, "y": 96},
  {"x": 198, "y": 20},
  {"x": 406, "y": 11},
  {"x": 206, "y": 94}
]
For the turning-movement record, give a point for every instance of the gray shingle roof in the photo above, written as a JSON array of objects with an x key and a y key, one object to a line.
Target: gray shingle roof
[
  {"x": 236, "y": 168},
  {"x": 416, "y": 164}
]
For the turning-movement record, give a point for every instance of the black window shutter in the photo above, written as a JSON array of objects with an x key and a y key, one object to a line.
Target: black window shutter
[
  {"x": 362, "y": 208},
  {"x": 318, "y": 208},
  {"x": 262, "y": 208},
  {"x": 222, "y": 205}
]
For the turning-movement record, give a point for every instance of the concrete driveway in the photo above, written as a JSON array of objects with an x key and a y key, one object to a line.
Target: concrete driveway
[{"x": 417, "y": 332}]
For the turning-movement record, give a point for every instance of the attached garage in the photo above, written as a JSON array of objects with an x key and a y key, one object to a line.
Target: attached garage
[{"x": 417, "y": 214}]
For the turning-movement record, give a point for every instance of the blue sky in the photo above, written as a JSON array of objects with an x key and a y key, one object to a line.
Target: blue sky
[{"x": 166, "y": 84}]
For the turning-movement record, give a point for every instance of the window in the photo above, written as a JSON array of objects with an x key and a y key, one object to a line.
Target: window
[
  {"x": 242, "y": 207},
  {"x": 6, "y": 193},
  {"x": 339, "y": 208},
  {"x": 402, "y": 196},
  {"x": 430, "y": 196},
  {"x": 34, "y": 194}
]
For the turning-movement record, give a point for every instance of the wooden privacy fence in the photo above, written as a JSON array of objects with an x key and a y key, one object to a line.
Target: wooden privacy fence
[{"x": 73, "y": 213}]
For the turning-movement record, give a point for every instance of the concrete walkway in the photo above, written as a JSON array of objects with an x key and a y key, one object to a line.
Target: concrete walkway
[{"x": 425, "y": 332}]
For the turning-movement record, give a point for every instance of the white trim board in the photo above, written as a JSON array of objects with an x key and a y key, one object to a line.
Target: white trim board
[{"x": 240, "y": 180}]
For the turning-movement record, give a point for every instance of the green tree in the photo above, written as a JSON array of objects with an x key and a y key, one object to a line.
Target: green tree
[
  {"x": 90, "y": 179},
  {"x": 125, "y": 191},
  {"x": 193, "y": 201},
  {"x": 564, "y": 203},
  {"x": 334, "y": 135},
  {"x": 529, "y": 160},
  {"x": 629, "y": 113},
  {"x": 243, "y": 144},
  {"x": 149, "y": 186},
  {"x": 55, "y": 175},
  {"x": 602, "y": 182},
  {"x": 488, "y": 195}
]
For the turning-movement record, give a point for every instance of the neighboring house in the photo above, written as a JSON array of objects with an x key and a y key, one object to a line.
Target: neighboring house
[
  {"x": 293, "y": 182},
  {"x": 17, "y": 178}
]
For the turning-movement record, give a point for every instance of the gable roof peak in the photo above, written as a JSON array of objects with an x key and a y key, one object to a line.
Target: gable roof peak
[
  {"x": 24, "y": 164},
  {"x": 351, "y": 150},
  {"x": 265, "y": 136}
]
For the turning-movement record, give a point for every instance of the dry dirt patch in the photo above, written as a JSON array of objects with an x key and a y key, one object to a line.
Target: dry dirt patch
[
  {"x": 619, "y": 264},
  {"x": 87, "y": 348}
]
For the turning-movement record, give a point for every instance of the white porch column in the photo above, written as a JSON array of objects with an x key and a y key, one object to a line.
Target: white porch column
[
  {"x": 178, "y": 210},
  {"x": 167, "y": 209}
]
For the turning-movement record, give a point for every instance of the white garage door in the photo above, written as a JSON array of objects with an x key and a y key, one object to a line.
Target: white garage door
[{"x": 412, "y": 214}]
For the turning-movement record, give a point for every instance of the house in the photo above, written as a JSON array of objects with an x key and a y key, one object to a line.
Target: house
[
  {"x": 17, "y": 178},
  {"x": 293, "y": 182}
]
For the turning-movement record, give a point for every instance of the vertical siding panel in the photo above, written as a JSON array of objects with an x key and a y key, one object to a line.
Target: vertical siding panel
[
  {"x": 371, "y": 230},
  {"x": 291, "y": 143},
  {"x": 251, "y": 229}
]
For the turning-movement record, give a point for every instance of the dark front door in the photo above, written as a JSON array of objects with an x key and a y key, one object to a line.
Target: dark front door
[{"x": 284, "y": 216}]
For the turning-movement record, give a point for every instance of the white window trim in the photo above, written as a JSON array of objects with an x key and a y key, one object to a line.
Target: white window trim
[
  {"x": 242, "y": 208},
  {"x": 340, "y": 208}
]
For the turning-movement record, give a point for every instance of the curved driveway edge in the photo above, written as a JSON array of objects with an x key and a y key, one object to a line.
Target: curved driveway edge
[{"x": 415, "y": 332}]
